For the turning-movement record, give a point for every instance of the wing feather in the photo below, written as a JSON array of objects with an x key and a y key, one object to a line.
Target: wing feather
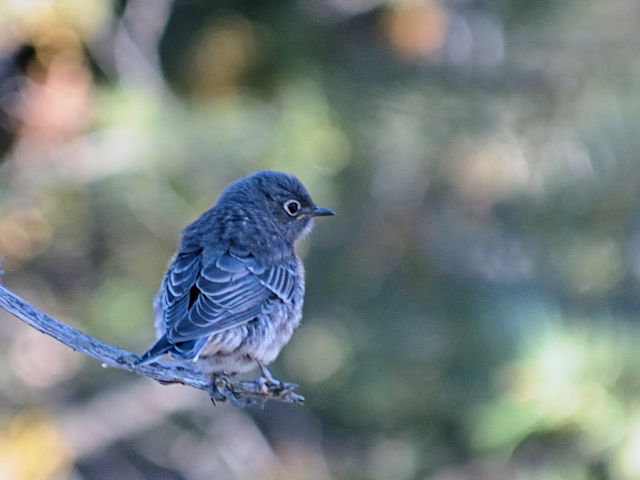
[
  {"x": 227, "y": 292},
  {"x": 281, "y": 280},
  {"x": 181, "y": 277}
]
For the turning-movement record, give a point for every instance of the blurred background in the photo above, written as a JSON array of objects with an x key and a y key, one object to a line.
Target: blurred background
[{"x": 472, "y": 312}]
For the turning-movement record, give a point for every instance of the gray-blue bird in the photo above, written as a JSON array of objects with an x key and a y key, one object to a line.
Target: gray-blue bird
[{"x": 233, "y": 293}]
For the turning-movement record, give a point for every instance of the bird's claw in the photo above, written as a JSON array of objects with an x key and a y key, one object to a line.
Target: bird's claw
[
  {"x": 267, "y": 383},
  {"x": 220, "y": 387},
  {"x": 254, "y": 392}
]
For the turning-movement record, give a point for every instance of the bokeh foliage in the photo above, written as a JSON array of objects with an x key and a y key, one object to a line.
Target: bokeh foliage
[{"x": 472, "y": 310}]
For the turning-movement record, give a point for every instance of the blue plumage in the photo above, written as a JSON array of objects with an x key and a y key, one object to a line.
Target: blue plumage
[{"x": 233, "y": 293}]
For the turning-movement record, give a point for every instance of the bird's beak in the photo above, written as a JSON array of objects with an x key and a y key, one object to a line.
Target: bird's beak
[{"x": 321, "y": 212}]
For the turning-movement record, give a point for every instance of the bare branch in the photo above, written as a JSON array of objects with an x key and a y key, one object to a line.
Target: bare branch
[{"x": 221, "y": 387}]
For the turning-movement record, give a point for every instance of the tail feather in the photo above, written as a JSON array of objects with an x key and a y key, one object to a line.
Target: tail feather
[
  {"x": 181, "y": 350},
  {"x": 158, "y": 349}
]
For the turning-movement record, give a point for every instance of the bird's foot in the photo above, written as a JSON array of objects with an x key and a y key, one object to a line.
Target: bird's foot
[
  {"x": 269, "y": 386},
  {"x": 221, "y": 383},
  {"x": 266, "y": 381},
  {"x": 242, "y": 393}
]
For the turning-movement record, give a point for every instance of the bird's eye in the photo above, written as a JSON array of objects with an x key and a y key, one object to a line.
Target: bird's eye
[{"x": 292, "y": 207}]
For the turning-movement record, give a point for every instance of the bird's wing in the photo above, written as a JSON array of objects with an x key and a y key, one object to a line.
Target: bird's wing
[
  {"x": 176, "y": 285},
  {"x": 206, "y": 299}
]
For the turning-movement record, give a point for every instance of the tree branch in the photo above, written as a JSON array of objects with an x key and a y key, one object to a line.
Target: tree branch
[{"x": 220, "y": 387}]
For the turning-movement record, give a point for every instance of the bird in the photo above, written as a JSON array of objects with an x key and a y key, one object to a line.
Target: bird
[{"x": 233, "y": 293}]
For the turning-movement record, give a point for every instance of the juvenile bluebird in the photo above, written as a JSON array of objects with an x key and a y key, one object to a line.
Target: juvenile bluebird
[{"x": 233, "y": 293}]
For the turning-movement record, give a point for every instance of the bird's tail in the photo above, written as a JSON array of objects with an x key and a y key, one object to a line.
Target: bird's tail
[
  {"x": 161, "y": 347},
  {"x": 182, "y": 350}
]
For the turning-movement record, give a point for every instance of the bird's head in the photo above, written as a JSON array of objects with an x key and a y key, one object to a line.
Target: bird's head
[{"x": 281, "y": 199}]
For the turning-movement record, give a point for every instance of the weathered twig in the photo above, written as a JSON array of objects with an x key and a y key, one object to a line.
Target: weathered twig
[{"x": 221, "y": 387}]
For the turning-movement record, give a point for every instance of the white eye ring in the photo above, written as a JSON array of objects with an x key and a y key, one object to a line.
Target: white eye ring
[{"x": 292, "y": 207}]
